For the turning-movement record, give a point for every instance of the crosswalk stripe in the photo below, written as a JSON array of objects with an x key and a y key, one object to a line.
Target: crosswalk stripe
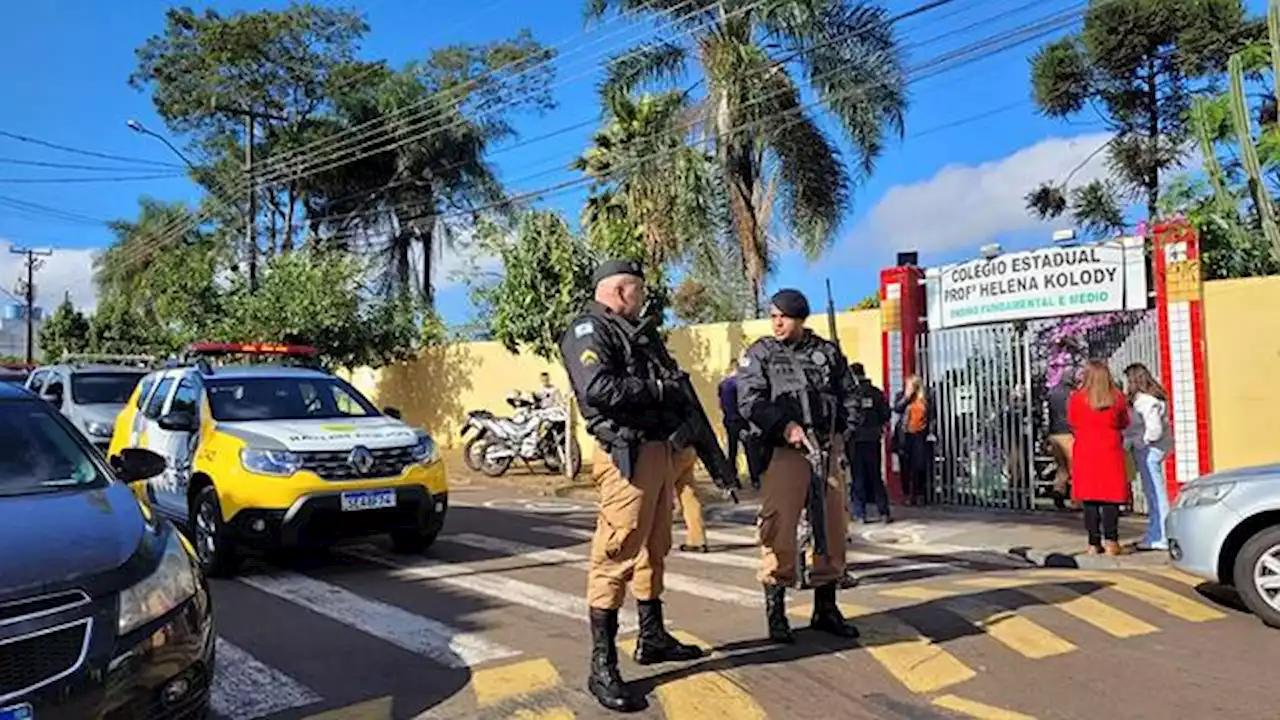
[
  {"x": 246, "y": 688},
  {"x": 728, "y": 559},
  {"x": 1177, "y": 576},
  {"x": 1005, "y": 626},
  {"x": 1106, "y": 618},
  {"x": 518, "y": 680},
  {"x": 376, "y": 709},
  {"x": 423, "y": 636},
  {"x": 918, "y": 663},
  {"x": 556, "y": 713},
  {"x": 708, "y": 695},
  {"x": 673, "y": 581},
  {"x": 1147, "y": 592},
  {"x": 507, "y": 589},
  {"x": 977, "y": 710}
]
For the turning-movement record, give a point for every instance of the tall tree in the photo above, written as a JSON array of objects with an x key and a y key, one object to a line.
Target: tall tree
[
  {"x": 66, "y": 331},
  {"x": 1136, "y": 65},
  {"x": 753, "y": 57}
]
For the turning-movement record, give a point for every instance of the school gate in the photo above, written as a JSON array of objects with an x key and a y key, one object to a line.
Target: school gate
[{"x": 989, "y": 337}]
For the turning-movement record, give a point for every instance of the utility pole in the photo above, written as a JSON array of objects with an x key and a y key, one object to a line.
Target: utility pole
[
  {"x": 251, "y": 222},
  {"x": 33, "y": 263}
]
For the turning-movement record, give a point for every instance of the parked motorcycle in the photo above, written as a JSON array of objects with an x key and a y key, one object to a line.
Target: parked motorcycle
[{"x": 532, "y": 434}]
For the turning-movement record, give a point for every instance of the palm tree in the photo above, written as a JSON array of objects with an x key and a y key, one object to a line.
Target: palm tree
[
  {"x": 765, "y": 138},
  {"x": 650, "y": 181},
  {"x": 122, "y": 267}
]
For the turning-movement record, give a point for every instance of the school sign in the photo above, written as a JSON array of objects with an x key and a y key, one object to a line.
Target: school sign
[{"x": 1040, "y": 283}]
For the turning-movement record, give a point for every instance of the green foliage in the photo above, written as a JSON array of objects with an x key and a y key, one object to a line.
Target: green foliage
[
  {"x": 1138, "y": 65},
  {"x": 1228, "y": 249},
  {"x": 753, "y": 60},
  {"x": 869, "y": 302},
  {"x": 65, "y": 331},
  {"x": 546, "y": 280}
]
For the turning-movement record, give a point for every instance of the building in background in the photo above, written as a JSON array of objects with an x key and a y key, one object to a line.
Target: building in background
[{"x": 13, "y": 330}]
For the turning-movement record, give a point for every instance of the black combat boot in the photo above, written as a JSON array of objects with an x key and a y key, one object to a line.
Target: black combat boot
[
  {"x": 826, "y": 613},
  {"x": 605, "y": 682},
  {"x": 654, "y": 644},
  {"x": 775, "y": 607}
]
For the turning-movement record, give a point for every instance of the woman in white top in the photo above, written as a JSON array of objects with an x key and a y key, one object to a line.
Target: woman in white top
[{"x": 1149, "y": 440}]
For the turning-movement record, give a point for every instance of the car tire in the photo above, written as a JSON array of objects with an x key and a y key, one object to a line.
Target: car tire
[
  {"x": 215, "y": 551},
  {"x": 413, "y": 542},
  {"x": 1264, "y": 543}
]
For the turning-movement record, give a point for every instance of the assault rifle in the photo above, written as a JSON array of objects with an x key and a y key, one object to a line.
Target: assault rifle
[
  {"x": 819, "y": 459},
  {"x": 696, "y": 430}
]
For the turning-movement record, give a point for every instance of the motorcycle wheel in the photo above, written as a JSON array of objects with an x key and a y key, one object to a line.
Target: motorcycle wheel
[
  {"x": 554, "y": 457},
  {"x": 495, "y": 467},
  {"x": 473, "y": 452}
]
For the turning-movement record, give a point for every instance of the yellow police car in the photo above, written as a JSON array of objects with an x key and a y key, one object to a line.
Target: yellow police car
[{"x": 273, "y": 455}]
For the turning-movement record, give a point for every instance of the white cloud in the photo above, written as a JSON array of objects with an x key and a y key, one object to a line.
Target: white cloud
[
  {"x": 67, "y": 270},
  {"x": 968, "y": 205}
]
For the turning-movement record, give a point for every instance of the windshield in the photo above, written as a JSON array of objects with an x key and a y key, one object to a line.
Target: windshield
[
  {"x": 286, "y": 399},
  {"x": 38, "y": 454},
  {"x": 103, "y": 388}
]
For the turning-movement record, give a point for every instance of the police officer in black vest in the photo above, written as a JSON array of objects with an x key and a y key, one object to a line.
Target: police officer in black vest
[
  {"x": 620, "y": 375},
  {"x": 869, "y": 414},
  {"x": 789, "y": 387}
]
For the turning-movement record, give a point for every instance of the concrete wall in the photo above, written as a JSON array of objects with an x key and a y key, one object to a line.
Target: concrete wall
[
  {"x": 1242, "y": 332},
  {"x": 436, "y": 390}
]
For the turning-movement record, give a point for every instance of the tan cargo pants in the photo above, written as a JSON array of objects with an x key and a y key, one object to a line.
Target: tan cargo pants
[
  {"x": 695, "y": 530},
  {"x": 633, "y": 527},
  {"x": 1062, "y": 447},
  {"x": 783, "y": 494}
]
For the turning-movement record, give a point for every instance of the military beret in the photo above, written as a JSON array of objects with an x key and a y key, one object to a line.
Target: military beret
[
  {"x": 609, "y": 268},
  {"x": 792, "y": 303}
]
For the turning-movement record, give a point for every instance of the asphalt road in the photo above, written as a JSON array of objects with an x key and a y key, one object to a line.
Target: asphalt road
[{"x": 492, "y": 624}]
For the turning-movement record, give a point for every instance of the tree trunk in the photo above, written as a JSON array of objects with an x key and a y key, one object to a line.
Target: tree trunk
[
  {"x": 286, "y": 243},
  {"x": 740, "y": 176},
  {"x": 1153, "y": 130},
  {"x": 427, "y": 241}
]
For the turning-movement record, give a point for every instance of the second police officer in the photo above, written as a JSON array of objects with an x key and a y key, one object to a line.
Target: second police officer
[
  {"x": 779, "y": 376},
  {"x": 618, "y": 371}
]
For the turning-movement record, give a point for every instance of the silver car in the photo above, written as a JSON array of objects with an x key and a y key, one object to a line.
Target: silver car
[
  {"x": 89, "y": 394},
  {"x": 1225, "y": 528}
]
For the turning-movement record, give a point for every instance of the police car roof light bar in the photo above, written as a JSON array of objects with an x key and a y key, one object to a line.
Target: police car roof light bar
[
  {"x": 279, "y": 349},
  {"x": 106, "y": 359}
]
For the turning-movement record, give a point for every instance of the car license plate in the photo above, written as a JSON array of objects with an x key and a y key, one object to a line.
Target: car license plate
[
  {"x": 361, "y": 500},
  {"x": 17, "y": 712}
]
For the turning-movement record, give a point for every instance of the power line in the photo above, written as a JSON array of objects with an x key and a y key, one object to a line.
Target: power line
[
  {"x": 33, "y": 262},
  {"x": 944, "y": 63},
  {"x": 37, "y": 208},
  {"x": 74, "y": 180},
  {"x": 64, "y": 166},
  {"x": 78, "y": 151}
]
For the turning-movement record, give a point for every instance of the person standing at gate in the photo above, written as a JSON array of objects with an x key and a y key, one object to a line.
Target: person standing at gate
[
  {"x": 1099, "y": 414},
  {"x": 617, "y": 372},
  {"x": 869, "y": 414},
  {"x": 911, "y": 439},
  {"x": 1061, "y": 441},
  {"x": 1149, "y": 441}
]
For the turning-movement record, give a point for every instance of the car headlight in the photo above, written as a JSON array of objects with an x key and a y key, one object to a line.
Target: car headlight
[
  {"x": 173, "y": 583},
  {"x": 424, "y": 451},
  {"x": 98, "y": 429},
  {"x": 1201, "y": 495},
  {"x": 271, "y": 462}
]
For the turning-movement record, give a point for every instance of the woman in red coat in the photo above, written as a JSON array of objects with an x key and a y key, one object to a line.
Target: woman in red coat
[{"x": 1098, "y": 414}]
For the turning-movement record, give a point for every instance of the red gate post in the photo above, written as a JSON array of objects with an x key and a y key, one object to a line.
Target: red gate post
[
  {"x": 902, "y": 321},
  {"x": 1180, "y": 315}
]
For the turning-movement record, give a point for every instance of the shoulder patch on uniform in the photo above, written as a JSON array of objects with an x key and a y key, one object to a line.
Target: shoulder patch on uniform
[
  {"x": 583, "y": 329},
  {"x": 819, "y": 357},
  {"x": 745, "y": 361},
  {"x": 588, "y": 358}
]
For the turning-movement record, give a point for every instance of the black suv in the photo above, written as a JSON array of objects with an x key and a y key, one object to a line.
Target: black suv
[{"x": 103, "y": 612}]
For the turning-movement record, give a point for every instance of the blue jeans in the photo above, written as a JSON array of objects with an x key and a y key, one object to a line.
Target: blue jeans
[{"x": 1150, "y": 462}]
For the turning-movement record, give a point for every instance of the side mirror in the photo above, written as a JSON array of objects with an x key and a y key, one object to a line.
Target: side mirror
[
  {"x": 179, "y": 421},
  {"x": 53, "y": 396},
  {"x": 393, "y": 412},
  {"x": 134, "y": 464}
]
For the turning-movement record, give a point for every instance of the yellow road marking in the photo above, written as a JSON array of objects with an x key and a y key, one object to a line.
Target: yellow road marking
[
  {"x": 505, "y": 682},
  {"x": 902, "y": 651},
  {"x": 556, "y": 713},
  {"x": 709, "y": 694},
  {"x": 1112, "y": 621},
  {"x": 1006, "y": 626},
  {"x": 1177, "y": 576},
  {"x": 1150, "y": 593},
  {"x": 978, "y": 710},
  {"x": 379, "y": 709}
]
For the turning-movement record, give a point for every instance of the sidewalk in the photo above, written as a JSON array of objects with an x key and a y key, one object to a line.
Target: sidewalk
[{"x": 1047, "y": 539}]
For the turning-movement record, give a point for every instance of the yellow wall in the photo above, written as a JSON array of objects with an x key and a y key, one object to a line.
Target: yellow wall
[
  {"x": 1242, "y": 332},
  {"x": 436, "y": 390}
]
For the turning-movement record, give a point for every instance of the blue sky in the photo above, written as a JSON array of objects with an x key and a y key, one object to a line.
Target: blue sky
[{"x": 974, "y": 144}]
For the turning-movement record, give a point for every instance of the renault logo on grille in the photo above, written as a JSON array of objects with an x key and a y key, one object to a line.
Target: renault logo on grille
[{"x": 361, "y": 459}]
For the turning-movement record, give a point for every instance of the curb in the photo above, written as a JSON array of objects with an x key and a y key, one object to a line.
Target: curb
[{"x": 1058, "y": 559}]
